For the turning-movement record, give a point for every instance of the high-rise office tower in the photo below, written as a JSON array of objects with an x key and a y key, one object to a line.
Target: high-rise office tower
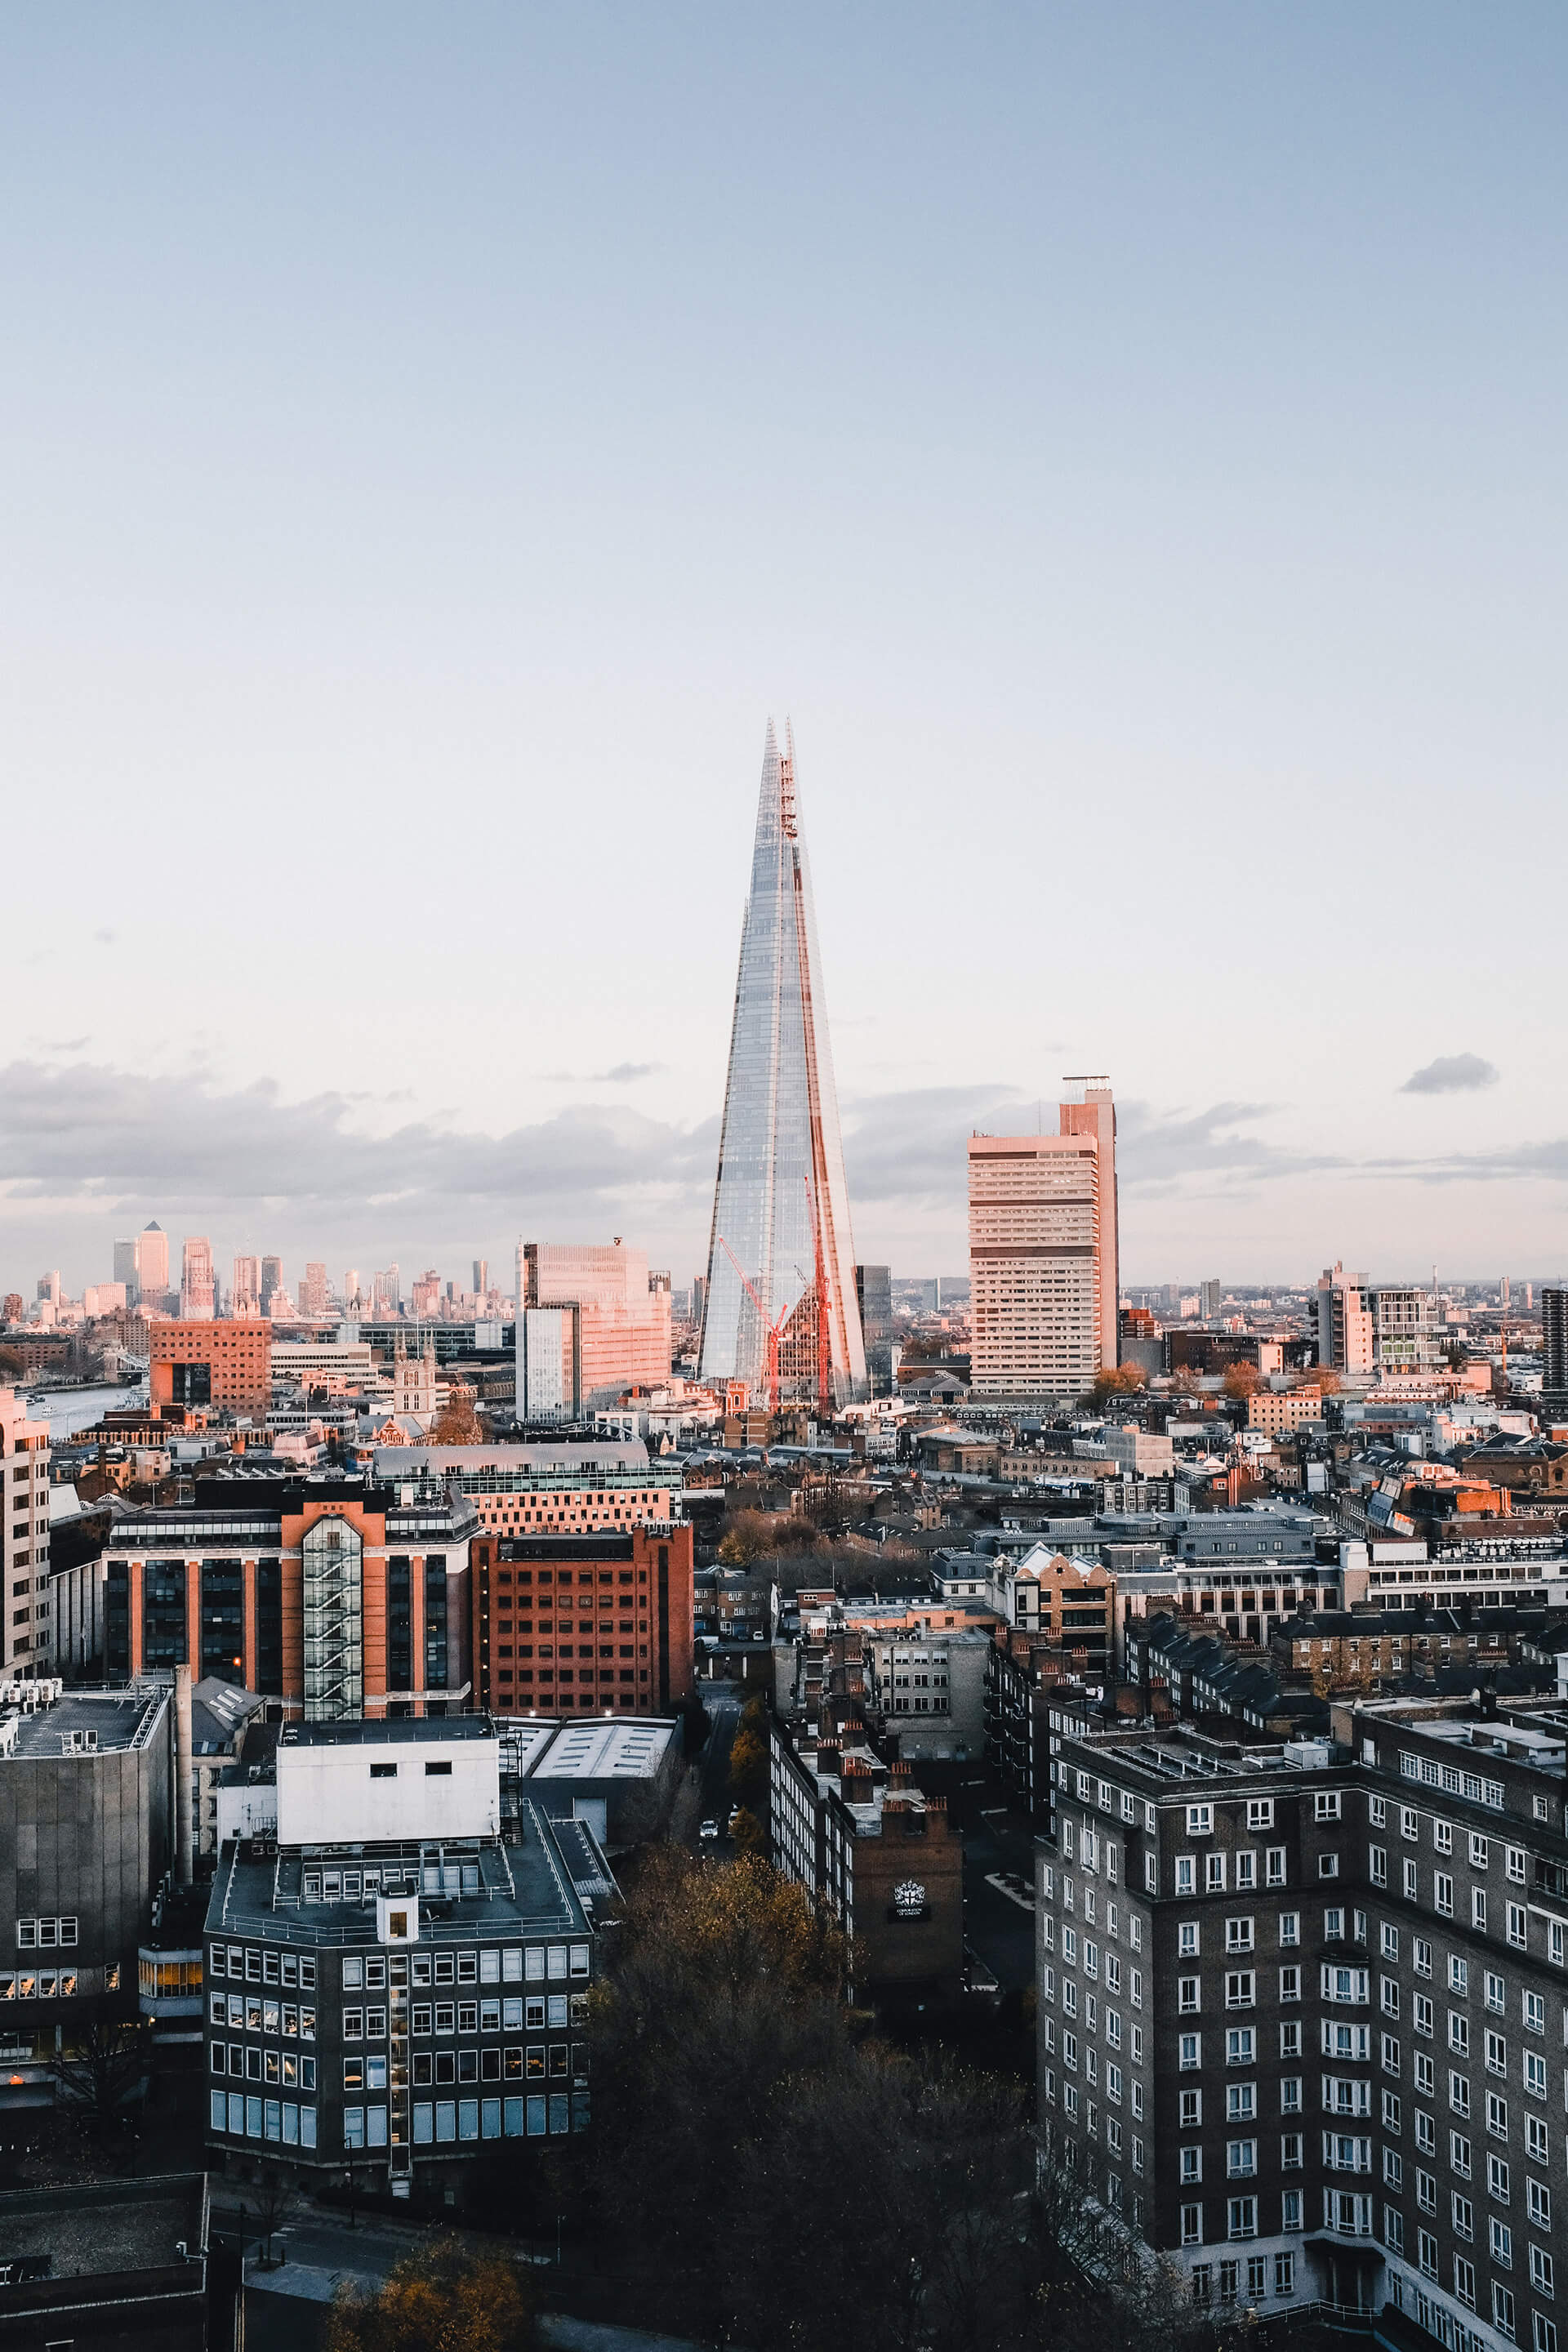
[
  {"x": 313, "y": 1296},
  {"x": 780, "y": 1311},
  {"x": 152, "y": 1265},
  {"x": 271, "y": 1280},
  {"x": 1208, "y": 1300},
  {"x": 352, "y": 1299},
  {"x": 1043, "y": 1254},
  {"x": 197, "y": 1303},
  {"x": 1555, "y": 1340},
  {"x": 482, "y": 1276},
  {"x": 125, "y": 1267},
  {"x": 245, "y": 1297}
]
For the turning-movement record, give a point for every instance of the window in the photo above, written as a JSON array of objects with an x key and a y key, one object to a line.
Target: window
[
  {"x": 1260, "y": 1812},
  {"x": 1187, "y": 1994},
  {"x": 1290, "y": 2209},
  {"x": 1534, "y": 2075},
  {"x": 1326, "y": 1805},
  {"x": 1463, "y": 2216},
  {"x": 1242, "y": 2217},
  {"x": 1442, "y": 1894},
  {"x": 1502, "y": 2310},
  {"x": 1192, "y": 2165},
  {"x": 1289, "y": 1929},
  {"x": 1291, "y": 2040},
  {"x": 1191, "y": 2051},
  {"x": 1200, "y": 1821},
  {"x": 1377, "y": 1864},
  {"x": 1536, "y": 2146},
  {"x": 1238, "y": 1935},
  {"x": 1274, "y": 1860},
  {"x": 1465, "y": 2280},
  {"x": 1516, "y": 1926},
  {"x": 1240, "y": 2159},
  {"x": 1544, "y": 2332},
  {"x": 1328, "y": 1865},
  {"x": 1540, "y": 2271},
  {"x": 1290, "y": 1984},
  {"x": 1538, "y": 2203},
  {"x": 1499, "y": 2244},
  {"x": 1187, "y": 1939},
  {"x": 1240, "y": 1989},
  {"x": 1534, "y": 2011},
  {"x": 1459, "y": 2093},
  {"x": 1193, "y": 2226},
  {"x": 1460, "y": 2155}
]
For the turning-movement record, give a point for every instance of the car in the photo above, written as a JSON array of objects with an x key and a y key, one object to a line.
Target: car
[{"x": 709, "y": 1830}]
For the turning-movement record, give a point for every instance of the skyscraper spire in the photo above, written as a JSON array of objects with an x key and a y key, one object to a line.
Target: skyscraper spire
[{"x": 781, "y": 1310}]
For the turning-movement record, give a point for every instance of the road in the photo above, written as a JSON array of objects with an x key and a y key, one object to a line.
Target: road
[
  {"x": 705, "y": 1793},
  {"x": 996, "y": 1927}
]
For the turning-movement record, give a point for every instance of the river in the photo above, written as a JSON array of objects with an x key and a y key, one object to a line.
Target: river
[{"x": 69, "y": 1410}]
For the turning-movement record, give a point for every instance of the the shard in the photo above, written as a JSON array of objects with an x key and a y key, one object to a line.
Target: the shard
[{"x": 781, "y": 1312}]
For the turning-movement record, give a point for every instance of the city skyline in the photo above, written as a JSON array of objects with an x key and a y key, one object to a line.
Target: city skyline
[{"x": 1139, "y": 546}]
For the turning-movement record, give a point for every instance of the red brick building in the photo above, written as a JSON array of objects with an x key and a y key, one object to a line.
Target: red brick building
[
  {"x": 221, "y": 1363},
  {"x": 583, "y": 1624}
]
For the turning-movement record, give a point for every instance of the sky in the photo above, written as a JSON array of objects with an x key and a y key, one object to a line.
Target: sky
[{"x": 1127, "y": 442}]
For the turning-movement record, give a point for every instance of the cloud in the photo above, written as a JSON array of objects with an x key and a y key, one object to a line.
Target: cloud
[
  {"x": 180, "y": 1144},
  {"x": 1451, "y": 1074},
  {"x": 106, "y": 937},
  {"x": 625, "y": 1073}
]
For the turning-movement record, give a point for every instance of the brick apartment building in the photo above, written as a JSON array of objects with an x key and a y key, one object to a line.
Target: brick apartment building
[
  {"x": 225, "y": 1363},
  {"x": 883, "y": 1858},
  {"x": 578, "y": 1624},
  {"x": 1303, "y": 2010}
]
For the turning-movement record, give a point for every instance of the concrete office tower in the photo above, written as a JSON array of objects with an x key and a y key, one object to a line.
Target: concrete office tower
[
  {"x": 1345, "y": 1328},
  {"x": 197, "y": 1303},
  {"x": 271, "y": 1280},
  {"x": 780, "y": 1311},
  {"x": 1042, "y": 1263},
  {"x": 49, "y": 1286},
  {"x": 314, "y": 1296},
  {"x": 1208, "y": 1300},
  {"x": 125, "y": 1267},
  {"x": 351, "y": 1290},
  {"x": 152, "y": 1265},
  {"x": 27, "y": 1639},
  {"x": 1554, "y": 1340},
  {"x": 245, "y": 1297},
  {"x": 1096, "y": 1116},
  {"x": 481, "y": 1277}
]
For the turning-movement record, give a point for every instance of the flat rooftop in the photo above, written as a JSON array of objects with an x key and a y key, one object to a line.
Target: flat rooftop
[
  {"x": 106, "y": 2228},
  {"x": 115, "y": 1719},
  {"x": 401, "y": 1461},
  {"x": 471, "y": 1890},
  {"x": 596, "y": 1750},
  {"x": 398, "y": 1731}
]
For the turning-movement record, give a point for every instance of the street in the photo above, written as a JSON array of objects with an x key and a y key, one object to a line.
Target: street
[
  {"x": 704, "y": 1795},
  {"x": 998, "y": 1929}
]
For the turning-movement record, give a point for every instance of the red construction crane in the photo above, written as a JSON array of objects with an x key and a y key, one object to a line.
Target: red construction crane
[{"x": 770, "y": 1330}]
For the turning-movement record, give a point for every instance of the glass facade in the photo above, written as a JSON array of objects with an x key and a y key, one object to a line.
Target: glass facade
[
  {"x": 780, "y": 1205},
  {"x": 223, "y": 1620},
  {"x": 163, "y": 1614},
  {"x": 269, "y": 1627}
]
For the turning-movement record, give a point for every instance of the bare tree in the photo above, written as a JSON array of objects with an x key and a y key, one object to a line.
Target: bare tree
[{"x": 105, "y": 2069}]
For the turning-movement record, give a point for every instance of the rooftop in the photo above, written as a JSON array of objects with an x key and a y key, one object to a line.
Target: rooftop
[
  {"x": 408, "y": 1730},
  {"x": 470, "y": 1889},
  {"x": 82, "y": 1723},
  {"x": 105, "y": 2228},
  {"x": 598, "y": 1751}
]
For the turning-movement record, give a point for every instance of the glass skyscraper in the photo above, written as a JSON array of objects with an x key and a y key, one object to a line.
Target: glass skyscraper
[{"x": 780, "y": 1311}]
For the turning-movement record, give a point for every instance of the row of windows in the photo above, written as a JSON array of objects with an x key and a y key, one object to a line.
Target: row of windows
[
  {"x": 254, "y": 1966},
  {"x": 35, "y": 1935},
  {"x": 253, "y": 2014},
  {"x": 295, "y": 2068}
]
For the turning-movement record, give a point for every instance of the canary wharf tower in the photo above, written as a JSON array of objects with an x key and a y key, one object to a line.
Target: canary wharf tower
[{"x": 781, "y": 1312}]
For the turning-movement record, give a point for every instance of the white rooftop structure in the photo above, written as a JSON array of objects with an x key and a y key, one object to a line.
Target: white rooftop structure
[{"x": 604, "y": 1749}]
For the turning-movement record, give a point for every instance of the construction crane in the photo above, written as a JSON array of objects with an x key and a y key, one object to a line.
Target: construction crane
[{"x": 770, "y": 1330}]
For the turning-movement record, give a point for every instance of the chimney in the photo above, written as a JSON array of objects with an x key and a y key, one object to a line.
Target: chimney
[{"x": 183, "y": 1792}]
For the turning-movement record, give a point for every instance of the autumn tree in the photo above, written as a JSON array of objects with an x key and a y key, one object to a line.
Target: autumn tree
[
  {"x": 720, "y": 1985},
  {"x": 440, "y": 2298},
  {"x": 1118, "y": 1379},
  {"x": 456, "y": 1424},
  {"x": 1242, "y": 1381},
  {"x": 748, "y": 1762},
  {"x": 752, "y": 1535},
  {"x": 747, "y": 1832}
]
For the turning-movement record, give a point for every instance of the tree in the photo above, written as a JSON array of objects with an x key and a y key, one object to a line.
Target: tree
[
  {"x": 1118, "y": 1379},
  {"x": 747, "y": 1832},
  {"x": 440, "y": 2298},
  {"x": 752, "y": 1535},
  {"x": 748, "y": 1763},
  {"x": 104, "y": 2069},
  {"x": 1321, "y": 1377},
  {"x": 456, "y": 1424},
  {"x": 274, "y": 2204},
  {"x": 1242, "y": 1381},
  {"x": 14, "y": 1307}
]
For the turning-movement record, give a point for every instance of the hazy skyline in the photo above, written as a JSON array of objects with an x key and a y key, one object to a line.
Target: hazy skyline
[{"x": 1128, "y": 449}]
